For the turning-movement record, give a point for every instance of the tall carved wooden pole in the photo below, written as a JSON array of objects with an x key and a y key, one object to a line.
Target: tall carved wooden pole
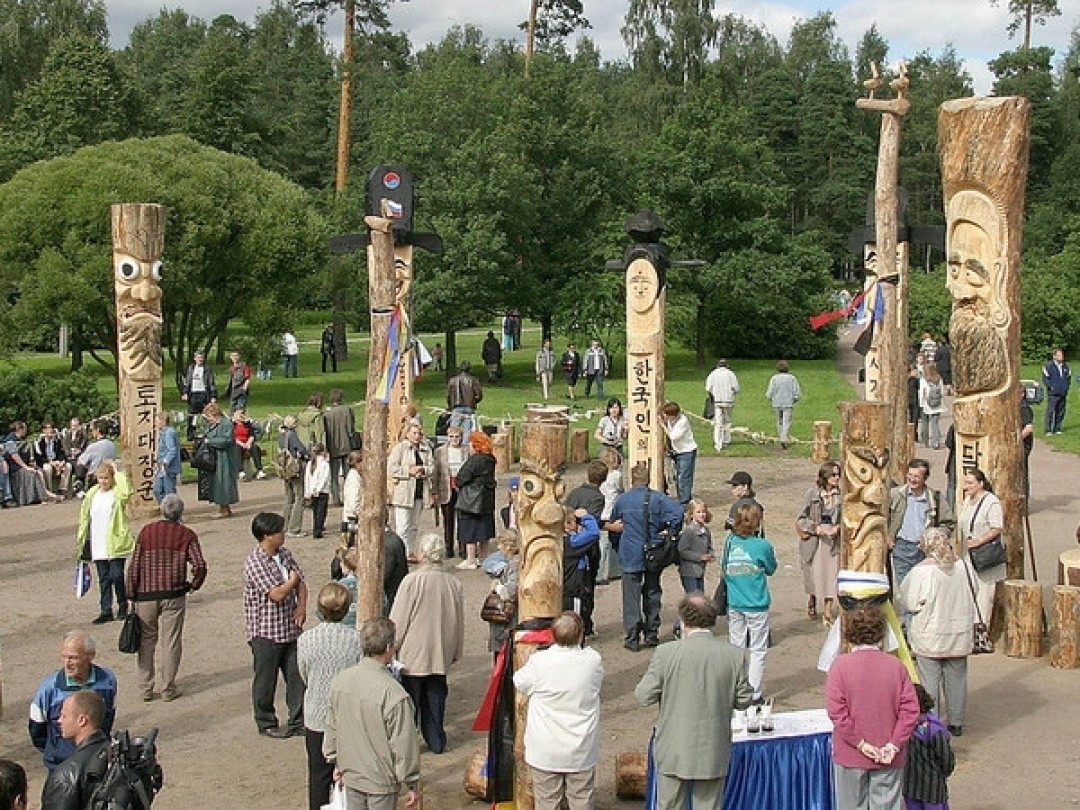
[
  {"x": 646, "y": 298},
  {"x": 889, "y": 346},
  {"x": 864, "y": 458},
  {"x": 138, "y": 234},
  {"x": 983, "y": 144},
  {"x": 372, "y": 519},
  {"x": 540, "y": 523}
]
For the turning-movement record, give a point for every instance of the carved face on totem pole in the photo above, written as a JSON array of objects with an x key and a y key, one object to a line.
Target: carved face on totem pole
[
  {"x": 136, "y": 277},
  {"x": 976, "y": 280},
  {"x": 403, "y": 273},
  {"x": 863, "y": 512},
  {"x": 540, "y": 522}
]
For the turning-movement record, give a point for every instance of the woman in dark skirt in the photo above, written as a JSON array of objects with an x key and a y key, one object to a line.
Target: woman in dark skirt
[{"x": 476, "y": 499}]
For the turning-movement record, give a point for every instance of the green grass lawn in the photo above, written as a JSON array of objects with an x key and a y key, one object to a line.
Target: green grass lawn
[
  {"x": 1069, "y": 439},
  {"x": 822, "y": 388}
]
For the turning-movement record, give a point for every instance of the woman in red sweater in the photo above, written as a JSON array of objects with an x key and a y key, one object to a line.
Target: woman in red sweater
[{"x": 874, "y": 709}]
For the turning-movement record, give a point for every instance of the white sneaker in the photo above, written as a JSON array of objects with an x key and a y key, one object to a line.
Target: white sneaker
[
  {"x": 243, "y": 476},
  {"x": 260, "y": 475},
  {"x": 466, "y": 565}
]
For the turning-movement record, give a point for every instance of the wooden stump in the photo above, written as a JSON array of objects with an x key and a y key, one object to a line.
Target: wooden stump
[
  {"x": 510, "y": 429},
  {"x": 1069, "y": 567},
  {"x": 1022, "y": 609},
  {"x": 501, "y": 451},
  {"x": 579, "y": 446},
  {"x": 543, "y": 436},
  {"x": 1065, "y": 628},
  {"x": 822, "y": 437},
  {"x": 630, "y": 774},
  {"x": 475, "y": 779}
]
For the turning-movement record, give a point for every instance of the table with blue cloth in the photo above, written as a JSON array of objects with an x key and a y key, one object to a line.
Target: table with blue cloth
[{"x": 789, "y": 768}]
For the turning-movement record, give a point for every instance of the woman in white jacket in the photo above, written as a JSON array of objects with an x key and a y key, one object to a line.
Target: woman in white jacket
[
  {"x": 939, "y": 593},
  {"x": 317, "y": 487}
]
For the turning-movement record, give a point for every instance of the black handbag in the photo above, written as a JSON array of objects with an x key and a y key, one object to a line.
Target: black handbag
[
  {"x": 709, "y": 412},
  {"x": 719, "y": 596},
  {"x": 497, "y": 610},
  {"x": 130, "y": 634},
  {"x": 205, "y": 457},
  {"x": 988, "y": 555}
]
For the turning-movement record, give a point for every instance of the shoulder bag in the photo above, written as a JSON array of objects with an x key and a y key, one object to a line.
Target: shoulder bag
[
  {"x": 719, "y": 597},
  {"x": 130, "y": 634},
  {"x": 497, "y": 610},
  {"x": 983, "y": 644},
  {"x": 988, "y": 555},
  {"x": 709, "y": 411},
  {"x": 661, "y": 551},
  {"x": 205, "y": 457}
]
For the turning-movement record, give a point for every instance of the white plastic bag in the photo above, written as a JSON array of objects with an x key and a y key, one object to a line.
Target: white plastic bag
[
  {"x": 82, "y": 579},
  {"x": 337, "y": 798}
]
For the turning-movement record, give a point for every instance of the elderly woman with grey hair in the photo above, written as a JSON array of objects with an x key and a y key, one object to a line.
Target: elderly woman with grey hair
[
  {"x": 939, "y": 593},
  {"x": 429, "y": 613},
  {"x": 289, "y": 443}
]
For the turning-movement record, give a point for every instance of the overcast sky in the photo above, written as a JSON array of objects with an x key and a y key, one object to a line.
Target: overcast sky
[{"x": 975, "y": 27}]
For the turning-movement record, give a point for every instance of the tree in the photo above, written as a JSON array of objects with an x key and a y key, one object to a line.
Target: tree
[
  {"x": 671, "y": 36},
  {"x": 1026, "y": 12},
  {"x": 236, "y": 235},
  {"x": 550, "y": 22},
  {"x": 1027, "y": 72}
]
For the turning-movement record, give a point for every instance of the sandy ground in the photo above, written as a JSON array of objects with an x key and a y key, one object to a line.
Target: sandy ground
[{"x": 1019, "y": 748}]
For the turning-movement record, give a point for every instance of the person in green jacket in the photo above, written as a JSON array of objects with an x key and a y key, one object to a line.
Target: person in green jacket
[
  {"x": 747, "y": 562},
  {"x": 105, "y": 537}
]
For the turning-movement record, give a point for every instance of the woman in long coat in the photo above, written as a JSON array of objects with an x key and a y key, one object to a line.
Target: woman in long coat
[
  {"x": 476, "y": 500},
  {"x": 818, "y": 525},
  {"x": 224, "y": 490}
]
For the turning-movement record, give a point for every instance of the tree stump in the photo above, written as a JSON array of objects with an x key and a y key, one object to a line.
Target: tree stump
[
  {"x": 1065, "y": 628},
  {"x": 1022, "y": 609},
  {"x": 1069, "y": 567},
  {"x": 543, "y": 436},
  {"x": 630, "y": 774},
  {"x": 510, "y": 429},
  {"x": 475, "y": 779},
  {"x": 501, "y": 451},
  {"x": 822, "y": 437},
  {"x": 579, "y": 446}
]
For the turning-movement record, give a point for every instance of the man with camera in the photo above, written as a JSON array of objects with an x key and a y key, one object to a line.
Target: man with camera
[
  {"x": 648, "y": 520},
  {"x": 72, "y": 783}
]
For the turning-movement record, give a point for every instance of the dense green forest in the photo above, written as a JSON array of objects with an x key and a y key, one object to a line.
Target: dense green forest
[{"x": 751, "y": 149}]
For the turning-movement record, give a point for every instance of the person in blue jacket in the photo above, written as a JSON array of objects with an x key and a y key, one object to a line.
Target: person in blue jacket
[
  {"x": 642, "y": 515},
  {"x": 749, "y": 561},
  {"x": 167, "y": 464},
  {"x": 581, "y": 533},
  {"x": 1056, "y": 378}
]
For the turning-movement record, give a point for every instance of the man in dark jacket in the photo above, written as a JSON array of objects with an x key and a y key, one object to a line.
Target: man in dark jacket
[
  {"x": 491, "y": 352},
  {"x": 463, "y": 394},
  {"x": 340, "y": 428},
  {"x": 588, "y": 497},
  {"x": 643, "y": 515},
  {"x": 71, "y": 784}
]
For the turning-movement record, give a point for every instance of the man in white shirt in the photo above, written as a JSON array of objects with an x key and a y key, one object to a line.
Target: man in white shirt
[
  {"x": 562, "y": 729},
  {"x": 290, "y": 351},
  {"x": 722, "y": 385}
]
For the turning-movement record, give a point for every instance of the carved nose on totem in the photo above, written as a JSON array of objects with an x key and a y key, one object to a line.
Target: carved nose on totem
[
  {"x": 144, "y": 290},
  {"x": 548, "y": 511}
]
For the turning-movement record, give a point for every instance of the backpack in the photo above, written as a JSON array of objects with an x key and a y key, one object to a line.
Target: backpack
[
  {"x": 933, "y": 395},
  {"x": 133, "y": 776},
  {"x": 287, "y": 465}
]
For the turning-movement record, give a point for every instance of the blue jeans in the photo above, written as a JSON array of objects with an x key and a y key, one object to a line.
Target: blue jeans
[
  {"x": 905, "y": 556},
  {"x": 291, "y": 363},
  {"x": 463, "y": 418},
  {"x": 164, "y": 484},
  {"x": 428, "y": 693},
  {"x": 693, "y": 584},
  {"x": 5, "y": 485},
  {"x": 111, "y": 578},
  {"x": 684, "y": 475}
]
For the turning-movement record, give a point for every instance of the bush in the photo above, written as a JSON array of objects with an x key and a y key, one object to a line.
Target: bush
[
  {"x": 929, "y": 304},
  {"x": 33, "y": 397}
]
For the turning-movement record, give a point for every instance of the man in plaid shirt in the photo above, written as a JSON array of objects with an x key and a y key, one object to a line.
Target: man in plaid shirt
[
  {"x": 157, "y": 589},
  {"x": 275, "y": 607}
]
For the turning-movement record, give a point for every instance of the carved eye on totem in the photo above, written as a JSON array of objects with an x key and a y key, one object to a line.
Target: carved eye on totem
[
  {"x": 155, "y": 271},
  {"x": 127, "y": 269},
  {"x": 532, "y": 485}
]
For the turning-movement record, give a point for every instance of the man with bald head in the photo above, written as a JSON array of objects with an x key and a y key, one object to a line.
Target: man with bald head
[{"x": 78, "y": 674}]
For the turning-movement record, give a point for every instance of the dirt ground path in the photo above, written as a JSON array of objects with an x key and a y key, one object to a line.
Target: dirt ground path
[{"x": 1020, "y": 746}]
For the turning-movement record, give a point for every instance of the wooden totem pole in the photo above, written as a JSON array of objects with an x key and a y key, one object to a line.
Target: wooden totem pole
[
  {"x": 646, "y": 297},
  {"x": 138, "y": 235},
  {"x": 983, "y": 144},
  {"x": 864, "y": 454},
  {"x": 886, "y": 362},
  {"x": 540, "y": 523}
]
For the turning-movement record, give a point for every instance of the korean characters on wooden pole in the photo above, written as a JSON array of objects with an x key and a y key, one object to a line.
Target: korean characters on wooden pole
[{"x": 138, "y": 237}]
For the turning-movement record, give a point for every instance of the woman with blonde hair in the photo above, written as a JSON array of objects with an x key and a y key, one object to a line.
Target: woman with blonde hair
[
  {"x": 105, "y": 537},
  {"x": 818, "y": 526},
  {"x": 939, "y": 593}
]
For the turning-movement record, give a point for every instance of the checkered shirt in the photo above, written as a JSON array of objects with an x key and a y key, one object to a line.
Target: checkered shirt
[{"x": 274, "y": 621}]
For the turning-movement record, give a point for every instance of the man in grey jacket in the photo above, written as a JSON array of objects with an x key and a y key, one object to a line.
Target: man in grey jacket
[
  {"x": 693, "y": 731},
  {"x": 913, "y": 508},
  {"x": 783, "y": 392},
  {"x": 370, "y": 733}
]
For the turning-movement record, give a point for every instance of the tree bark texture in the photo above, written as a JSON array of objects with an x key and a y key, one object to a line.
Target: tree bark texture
[
  {"x": 543, "y": 435},
  {"x": 579, "y": 446},
  {"x": 138, "y": 234},
  {"x": 983, "y": 144},
  {"x": 1065, "y": 628},
  {"x": 822, "y": 440},
  {"x": 372, "y": 518},
  {"x": 1022, "y": 603}
]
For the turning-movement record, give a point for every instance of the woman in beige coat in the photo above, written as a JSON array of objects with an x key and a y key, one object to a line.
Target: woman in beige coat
[{"x": 410, "y": 471}]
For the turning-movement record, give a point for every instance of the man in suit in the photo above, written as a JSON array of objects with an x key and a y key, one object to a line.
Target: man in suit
[
  {"x": 693, "y": 732},
  {"x": 1055, "y": 376}
]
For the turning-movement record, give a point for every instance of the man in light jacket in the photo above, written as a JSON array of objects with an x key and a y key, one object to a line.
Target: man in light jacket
[
  {"x": 723, "y": 386},
  {"x": 783, "y": 392},
  {"x": 410, "y": 469}
]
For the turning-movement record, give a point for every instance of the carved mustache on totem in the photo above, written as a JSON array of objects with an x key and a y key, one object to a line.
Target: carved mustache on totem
[{"x": 138, "y": 315}]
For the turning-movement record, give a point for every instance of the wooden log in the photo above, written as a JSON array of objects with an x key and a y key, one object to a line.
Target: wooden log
[
  {"x": 1022, "y": 607},
  {"x": 983, "y": 143},
  {"x": 1065, "y": 627},
  {"x": 501, "y": 450},
  {"x": 372, "y": 517},
  {"x": 138, "y": 235},
  {"x": 510, "y": 429},
  {"x": 476, "y": 780},
  {"x": 822, "y": 437},
  {"x": 1069, "y": 567},
  {"x": 543, "y": 435},
  {"x": 579, "y": 446},
  {"x": 864, "y": 459},
  {"x": 631, "y": 768}
]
